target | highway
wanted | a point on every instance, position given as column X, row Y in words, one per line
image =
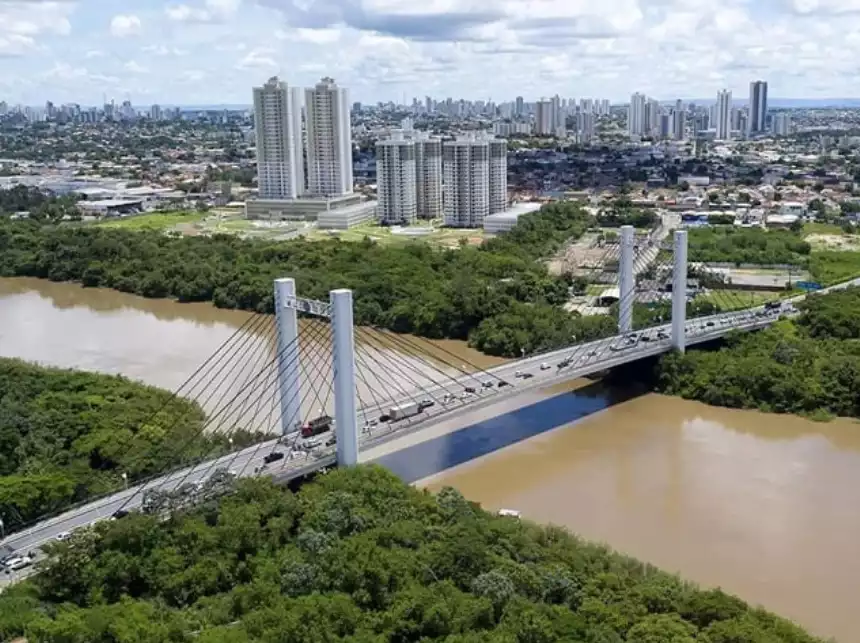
column 584, row 359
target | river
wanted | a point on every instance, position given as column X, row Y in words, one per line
column 761, row 505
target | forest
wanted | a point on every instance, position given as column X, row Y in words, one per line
column 66, row 436
column 808, row 366
column 358, row 556
column 41, row 206
column 413, row 289
column 747, row 245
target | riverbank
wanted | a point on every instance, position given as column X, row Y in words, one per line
column 465, row 294
column 66, row 436
column 358, row 556
column 807, row 366
column 760, row 505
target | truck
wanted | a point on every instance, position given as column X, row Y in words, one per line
column 316, row 426
column 403, row 411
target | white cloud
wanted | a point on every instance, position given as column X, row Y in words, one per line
column 259, row 59
column 94, row 53
column 124, row 25
column 163, row 50
column 135, row 68
column 211, row 11
column 13, row 45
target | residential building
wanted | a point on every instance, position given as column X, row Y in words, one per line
column 396, row 180
column 757, row 121
column 585, row 127
column 498, row 175
column 544, row 121
column 278, row 129
column 782, row 124
column 679, row 121
column 723, row 115
column 329, row 140
column 636, row 115
column 428, row 177
column 466, row 170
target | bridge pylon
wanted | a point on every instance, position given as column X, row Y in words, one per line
column 289, row 371
column 339, row 311
column 627, row 280
column 679, row 292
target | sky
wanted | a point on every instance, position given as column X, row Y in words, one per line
column 200, row 52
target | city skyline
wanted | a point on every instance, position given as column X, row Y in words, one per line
column 204, row 51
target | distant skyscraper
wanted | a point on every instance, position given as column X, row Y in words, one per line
column 585, row 127
column 329, row 140
column 723, row 114
column 782, row 124
column 758, row 107
column 395, row 180
column 636, row 115
column 544, row 122
column 679, row 121
column 278, row 129
column 519, row 106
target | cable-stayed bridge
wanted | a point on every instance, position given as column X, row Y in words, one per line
column 315, row 391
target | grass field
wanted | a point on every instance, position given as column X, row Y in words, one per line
column 153, row 221
column 822, row 228
column 446, row 237
column 739, row 299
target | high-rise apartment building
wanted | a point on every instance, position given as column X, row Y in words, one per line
column 585, row 127
column 329, row 140
column 636, row 115
column 466, row 171
column 782, row 124
column 723, row 116
column 498, row 175
column 428, row 177
column 757, row 120
column 679, row 121
column 278, row 129
column 396, row 180
column 544, row 121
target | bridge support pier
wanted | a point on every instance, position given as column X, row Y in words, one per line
column 679, row 292
column 343, row 353
column 289, row 371
column 627, row 285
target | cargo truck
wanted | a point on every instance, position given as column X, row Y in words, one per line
column 403, row 411
column 316, row 426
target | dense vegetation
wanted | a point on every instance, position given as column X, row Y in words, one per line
column 747, row 245
column 68, row 435
column 40, row 205
column 416, row 289
column 359, row 556
column 810, row 366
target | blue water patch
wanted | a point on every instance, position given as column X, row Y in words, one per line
column 427, row 458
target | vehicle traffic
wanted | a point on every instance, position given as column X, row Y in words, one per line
column 316, row 426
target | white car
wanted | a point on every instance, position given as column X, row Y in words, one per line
column 21, row 562
column 545, row 367
column 64, row 535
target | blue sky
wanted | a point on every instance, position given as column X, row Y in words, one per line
column 214, row 51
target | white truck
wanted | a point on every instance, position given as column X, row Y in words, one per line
column 403, row 411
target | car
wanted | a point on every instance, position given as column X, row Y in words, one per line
column 563, row 363
column 426, row 404
column 503, row 383
column 274, row 456
column 469, row 390
column 662, row 335
column 527, row 376
column 592, row 354
column 519, row 374
column 311, row 443
column 384, row 418
column 487, row 384
column 63, row 535
column 331, row 441
column 119, row 513
column 709, row 324
column 545, row 367
column 14, row 564
column 646, row 338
